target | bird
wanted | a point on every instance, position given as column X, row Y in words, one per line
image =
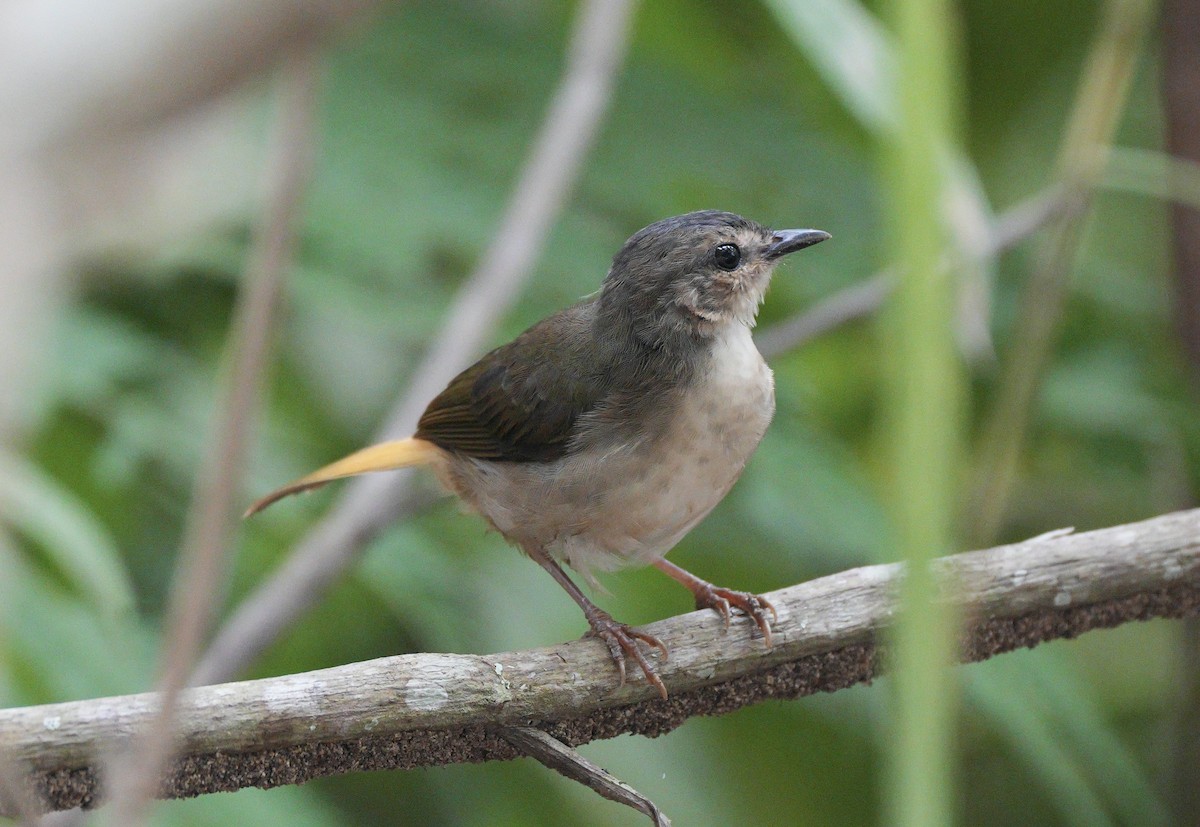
column 599, row 437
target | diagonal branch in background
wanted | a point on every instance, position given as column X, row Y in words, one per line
column 201, row 568
column 428, row 709
column 865, row 297
column 595, row 55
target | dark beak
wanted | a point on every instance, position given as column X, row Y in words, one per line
column 789, row 241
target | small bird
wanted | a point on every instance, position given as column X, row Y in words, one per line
column 603, row 434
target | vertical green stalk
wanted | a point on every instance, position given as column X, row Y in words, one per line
column 923, row 397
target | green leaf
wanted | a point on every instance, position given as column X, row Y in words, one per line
column 72, row 540
column 57, row 647
column 852, row 51
column 999, row 691
column 1153, row 173
column 1054, row 688
column 1049, row 717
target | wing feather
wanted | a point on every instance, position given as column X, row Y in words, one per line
column 522, row 401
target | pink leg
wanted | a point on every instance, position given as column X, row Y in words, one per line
column 620, row 639
column 709, row 596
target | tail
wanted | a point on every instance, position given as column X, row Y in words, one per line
column 386, row 456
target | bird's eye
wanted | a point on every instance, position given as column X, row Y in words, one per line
column 728, row 256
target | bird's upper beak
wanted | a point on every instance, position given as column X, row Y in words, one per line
column 789, row 241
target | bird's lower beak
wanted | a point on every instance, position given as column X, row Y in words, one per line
column 789, row 241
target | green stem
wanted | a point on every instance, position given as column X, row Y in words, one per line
column 924, row 399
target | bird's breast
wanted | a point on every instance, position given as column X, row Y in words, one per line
column 657, row 493
column 720, row 421
column 724, row 413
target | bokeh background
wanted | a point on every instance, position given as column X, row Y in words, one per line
column 426, row 112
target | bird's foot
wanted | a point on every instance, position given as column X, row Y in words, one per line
column 622, row 643
column 752, row 605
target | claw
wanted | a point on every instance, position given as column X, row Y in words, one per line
column 614, row 652
column 771, row 607
column 622, row 644
column 650, row 640
column 753, row 606
column 721, row 606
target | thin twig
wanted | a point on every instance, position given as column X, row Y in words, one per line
column 556, row 755
column 200, row 571
column 1099, row 103
column 595, row 56
column 865, row 297
column 857, row 301
column 428, row 709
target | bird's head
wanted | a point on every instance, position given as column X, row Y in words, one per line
column 697, row 273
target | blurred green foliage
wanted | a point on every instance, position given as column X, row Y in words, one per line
column 428, row 113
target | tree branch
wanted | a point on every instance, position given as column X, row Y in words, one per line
column 426, row 709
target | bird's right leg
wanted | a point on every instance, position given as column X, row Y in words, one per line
column 620, row 638
column 709, row 596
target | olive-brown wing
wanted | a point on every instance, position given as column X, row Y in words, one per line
column 521, row 402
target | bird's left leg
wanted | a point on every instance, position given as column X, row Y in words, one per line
column 621, row 639
column 709, row 596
